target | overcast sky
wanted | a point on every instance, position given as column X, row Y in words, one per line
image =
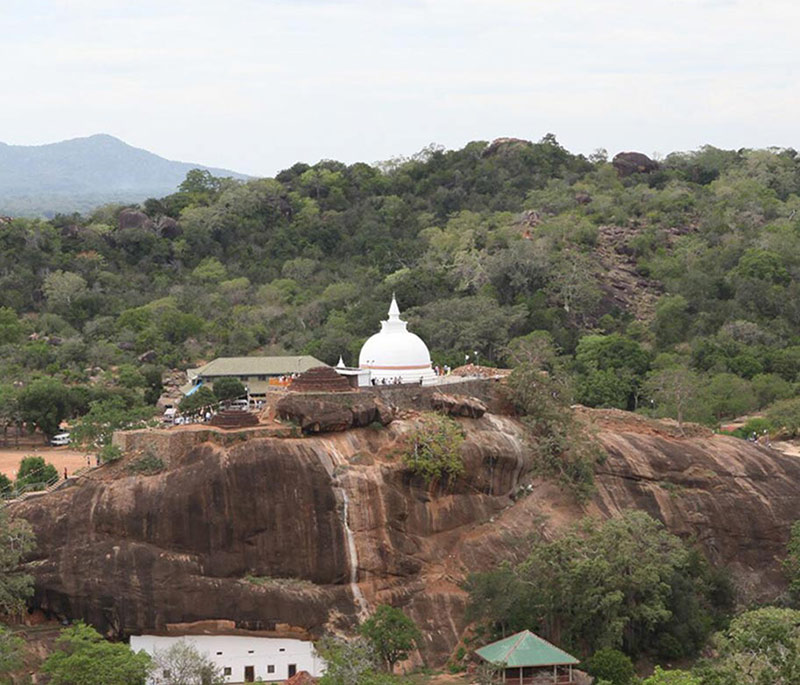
column 256, row 85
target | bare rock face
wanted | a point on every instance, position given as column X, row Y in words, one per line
column 133, row 218
column 628, row 163
column 323, row 414
column 504, row 146
column 254, row 531
column 168, row 227
column 458, row 405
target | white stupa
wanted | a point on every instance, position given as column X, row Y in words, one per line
column 396, row 353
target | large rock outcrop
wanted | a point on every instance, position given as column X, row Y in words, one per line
column 256, row 531
column 629, row 163
column 322, row 413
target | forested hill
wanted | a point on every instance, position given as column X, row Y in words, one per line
column 82, row 173
column 672, row 287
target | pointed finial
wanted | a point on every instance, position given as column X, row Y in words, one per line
column 340, row 365
column 394, row 310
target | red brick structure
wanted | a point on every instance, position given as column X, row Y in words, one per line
column 231, row 418
column 320, row 379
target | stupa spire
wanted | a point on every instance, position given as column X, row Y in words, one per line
column 394, row 310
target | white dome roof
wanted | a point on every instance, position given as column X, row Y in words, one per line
column 395, row 351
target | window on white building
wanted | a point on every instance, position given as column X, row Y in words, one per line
column 226, row 670
column 270, row 668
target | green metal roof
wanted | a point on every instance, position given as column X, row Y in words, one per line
column 257, row 366
column 525, row 649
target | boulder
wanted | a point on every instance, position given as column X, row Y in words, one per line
column 147, row 357
column 504, row 146
column 133, row 218
column 168, row 227
column 318, row 414
column 458, row 405
column 629, row 163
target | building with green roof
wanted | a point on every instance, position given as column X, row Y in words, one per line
column 257, row 373
column 528, row 659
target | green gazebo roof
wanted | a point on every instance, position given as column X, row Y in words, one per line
column 525, row 649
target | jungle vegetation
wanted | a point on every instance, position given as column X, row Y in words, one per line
column 484, row 247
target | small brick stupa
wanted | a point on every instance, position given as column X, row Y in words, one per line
column 234, row 418
column 320, row 379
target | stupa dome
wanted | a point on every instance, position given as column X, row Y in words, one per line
column 395, row 352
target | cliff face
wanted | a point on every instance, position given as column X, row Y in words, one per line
column 253, row 531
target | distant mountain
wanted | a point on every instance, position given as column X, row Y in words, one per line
column 82, row 173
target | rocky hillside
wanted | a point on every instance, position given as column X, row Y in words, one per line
column 253, row 530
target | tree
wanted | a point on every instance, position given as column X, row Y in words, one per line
column 611, row 665
column 9, row 408
column 83, row 657
column 182, row 664
column 5, row 485
column 673, row 677
column 347, row 662
column 45, row 403
column 562, row 446
column 16, row 540
column 673, row 390
column 202, row 397
column 11, row 329
column 11, row 651
column 97, row 426
column 229, row 388
column 392, row 635
column 791, row 564
column 760, row 647
column 34, row 471
column 62, row 288
column 622, row 583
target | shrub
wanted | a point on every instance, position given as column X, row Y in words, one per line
column 785, row 417
column 147, row 465
column 35, row 473
column 564, row 449
column 434, row 449
column 611, row 665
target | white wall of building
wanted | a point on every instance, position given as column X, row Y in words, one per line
column 235, row 652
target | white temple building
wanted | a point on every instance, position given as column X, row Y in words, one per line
column 393, row 355
column 241, row 659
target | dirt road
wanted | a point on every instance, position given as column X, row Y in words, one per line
column 60, row 457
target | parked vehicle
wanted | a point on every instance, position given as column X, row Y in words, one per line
column 60, row 440
column 240, row 405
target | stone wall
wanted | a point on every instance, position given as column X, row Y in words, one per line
column 419, row 397
column 172, row 443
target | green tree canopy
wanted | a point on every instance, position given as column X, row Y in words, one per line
column 392, row 635
column 12, row 649
column 622, row 583
column 45, row 403
column 182, row 664
column 83, row 657
column 16, row 540
column 611, row 665
column 229, row 388
column 202, row 397
column 34, row 471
